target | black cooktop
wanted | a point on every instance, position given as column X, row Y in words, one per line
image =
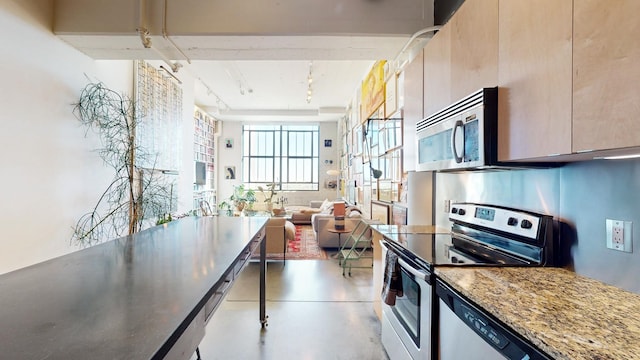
column 480, row 234
column 427, row 243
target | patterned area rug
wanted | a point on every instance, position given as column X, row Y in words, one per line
column 304, row 247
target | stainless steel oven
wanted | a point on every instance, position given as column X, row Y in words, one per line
column 406, row 326
column 485, row 235
column 480, row 235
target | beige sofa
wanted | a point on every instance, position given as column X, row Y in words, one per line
column 301, row 215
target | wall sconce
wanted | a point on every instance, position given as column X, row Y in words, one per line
column 376, row 173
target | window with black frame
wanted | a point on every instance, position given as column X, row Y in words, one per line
column 287, row 155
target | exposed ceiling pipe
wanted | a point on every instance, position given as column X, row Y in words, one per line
column 143, row 31
column 398, row 68
column 174, row 65
column 144, row 37
column 165, row 33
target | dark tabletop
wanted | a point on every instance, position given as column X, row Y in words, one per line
column 122, row 299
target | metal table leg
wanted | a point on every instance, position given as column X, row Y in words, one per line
column 263, row 282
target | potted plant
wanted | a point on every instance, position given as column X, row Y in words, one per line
column 239, row 199
column 271, row 188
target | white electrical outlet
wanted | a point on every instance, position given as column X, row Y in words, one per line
column 619, row 235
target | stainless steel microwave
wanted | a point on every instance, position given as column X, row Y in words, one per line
column 462, row 136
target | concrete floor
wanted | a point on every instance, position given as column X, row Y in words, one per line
column 314, row 313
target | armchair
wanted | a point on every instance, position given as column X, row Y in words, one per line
column 278, row 232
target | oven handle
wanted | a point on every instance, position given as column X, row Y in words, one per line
column 420, row 274
column 415, row 272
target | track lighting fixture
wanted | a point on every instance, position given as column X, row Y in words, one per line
column 309, row 82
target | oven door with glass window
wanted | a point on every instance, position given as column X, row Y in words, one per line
column 406, row 326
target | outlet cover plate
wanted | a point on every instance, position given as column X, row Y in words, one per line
column 612, row 227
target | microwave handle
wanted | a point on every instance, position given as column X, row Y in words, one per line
column 458, row 125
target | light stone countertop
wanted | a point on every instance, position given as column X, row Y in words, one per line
column 565, row 315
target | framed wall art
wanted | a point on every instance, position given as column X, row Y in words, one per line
column 230, row 172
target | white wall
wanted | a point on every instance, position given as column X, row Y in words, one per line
column 51, row 175
column 229, row 157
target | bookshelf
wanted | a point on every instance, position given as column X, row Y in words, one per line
column 205, row 133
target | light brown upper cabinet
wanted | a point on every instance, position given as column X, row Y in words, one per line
column 413, row 107
column 534, row 78
column 474, row 47
column 463, row 56
column 437, row 71
column 606, row 74
column 413, row 90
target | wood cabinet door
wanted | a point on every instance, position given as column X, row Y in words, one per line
column 534, row 78
column 413, row 90
column 437, row 71
column 413, row 106
column 606, row 74
column 474, row 47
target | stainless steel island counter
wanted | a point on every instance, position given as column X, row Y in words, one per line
column 138, row 297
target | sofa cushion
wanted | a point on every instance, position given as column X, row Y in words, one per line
column 310, row 211
column 302, row 214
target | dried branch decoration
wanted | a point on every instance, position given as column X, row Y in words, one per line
column 135, row 194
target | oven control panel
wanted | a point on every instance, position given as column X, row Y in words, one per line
column 499, row 218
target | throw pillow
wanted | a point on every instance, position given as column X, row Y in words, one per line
column 351, row 208
column 354, row 213
column 325, row 205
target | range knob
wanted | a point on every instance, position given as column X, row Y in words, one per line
column 512, row 221
column 454, row 210
column 526, row 224
column 462, row 212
